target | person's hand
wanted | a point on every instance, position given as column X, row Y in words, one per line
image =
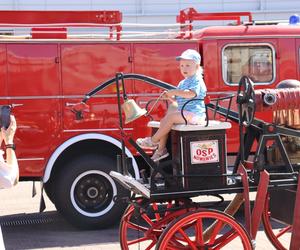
column 8, row 134
column 168, row 94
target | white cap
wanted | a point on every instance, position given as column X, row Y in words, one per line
column 190, row 54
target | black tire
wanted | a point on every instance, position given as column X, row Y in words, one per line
column 84, row 192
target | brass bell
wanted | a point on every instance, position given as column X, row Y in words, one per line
column 132, row 111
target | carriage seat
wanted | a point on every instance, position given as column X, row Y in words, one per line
column 212, row 125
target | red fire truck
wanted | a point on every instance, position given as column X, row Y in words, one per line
column 45, row 73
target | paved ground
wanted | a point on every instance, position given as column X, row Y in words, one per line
column 24, row 228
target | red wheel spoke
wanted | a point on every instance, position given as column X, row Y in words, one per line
column 226, row 240
column 155, row 208
column 216, row 230
column 187, row 238
column 224, row 237
column 139, row 240
column 137, row 227
column 284, row 230
column 168, row 207
column 147, row 219
column 152, row 244
column 150, row 225
column 199, row 232
column 175, row 243
column 172, row 248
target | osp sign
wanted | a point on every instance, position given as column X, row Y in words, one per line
column 204, row 151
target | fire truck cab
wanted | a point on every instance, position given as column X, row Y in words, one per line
column 43, row 74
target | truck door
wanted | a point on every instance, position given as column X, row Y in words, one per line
column 33, row 85
column 84, row 67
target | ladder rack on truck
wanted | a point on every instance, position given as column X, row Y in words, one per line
column 55, row 24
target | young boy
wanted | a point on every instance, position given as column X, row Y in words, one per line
column 191, row 86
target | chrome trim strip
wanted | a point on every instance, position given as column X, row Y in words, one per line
column 31, row 159
column 74, row 96
column 221, row 92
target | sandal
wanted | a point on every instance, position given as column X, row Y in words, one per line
column 160, row 154
column 146, row 143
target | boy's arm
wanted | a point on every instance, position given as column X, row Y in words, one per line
column 187, row 93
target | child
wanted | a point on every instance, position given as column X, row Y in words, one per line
column 191, row 86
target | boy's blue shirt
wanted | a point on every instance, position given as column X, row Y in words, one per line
column 196, row 84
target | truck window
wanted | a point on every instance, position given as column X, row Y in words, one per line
column 257, row 62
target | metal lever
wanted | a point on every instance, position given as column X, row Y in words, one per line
column 13, row 105
column 70, row 104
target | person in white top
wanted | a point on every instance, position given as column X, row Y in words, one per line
column 9, row 168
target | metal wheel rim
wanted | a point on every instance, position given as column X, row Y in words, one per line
column 105, row 207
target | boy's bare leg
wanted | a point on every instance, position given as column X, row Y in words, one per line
column 162, row 142
column 165, row 126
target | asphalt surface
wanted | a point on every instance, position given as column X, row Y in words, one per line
column 23, row 227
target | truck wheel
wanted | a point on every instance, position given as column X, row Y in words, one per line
column 84, row 192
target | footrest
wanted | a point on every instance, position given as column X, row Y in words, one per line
column 130, row 183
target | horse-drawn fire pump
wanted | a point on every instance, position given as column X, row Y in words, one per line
column 163, row 212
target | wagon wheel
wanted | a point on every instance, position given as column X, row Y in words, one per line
column 187, row 232
column 141, row 227
column 246, row 101
column 277, row 236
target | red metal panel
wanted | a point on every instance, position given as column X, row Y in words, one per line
column 286, row 59
column 49, row 32
column 33, row 80
column 190, row 14
column 3, row 73
column 61, row 16
column 158, row 61
column 85, row 66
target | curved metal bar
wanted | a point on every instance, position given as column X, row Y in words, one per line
column 194, row 99
column 144, row 78
column 218, row 99
column 228, row 96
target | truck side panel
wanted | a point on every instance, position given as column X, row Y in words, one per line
column 85, row 66
column 33, row 83
column 3, row 75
